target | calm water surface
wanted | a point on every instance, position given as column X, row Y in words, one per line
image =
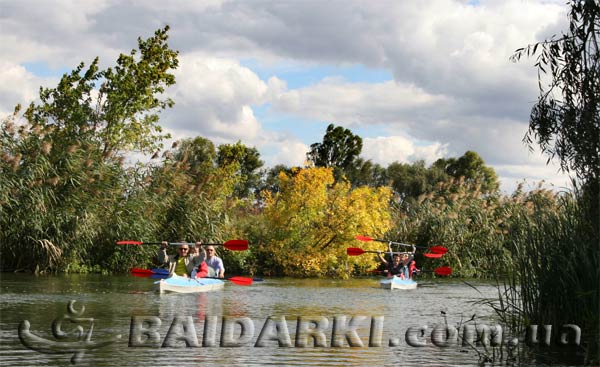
column 112, row 301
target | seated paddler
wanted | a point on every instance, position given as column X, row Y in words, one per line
column 183, row 263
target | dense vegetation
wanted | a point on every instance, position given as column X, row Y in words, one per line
column 555, row 277
column 67, row 193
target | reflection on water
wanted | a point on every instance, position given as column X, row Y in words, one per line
column 113, row 301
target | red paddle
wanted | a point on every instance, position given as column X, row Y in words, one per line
column 438, row 249
column 138, row 272
column 433, row 249
column 233, row 245
column 355, row 251
column 442, row 270
column 141, row 272
column 236, row 280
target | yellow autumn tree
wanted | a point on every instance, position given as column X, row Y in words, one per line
column 311, row 220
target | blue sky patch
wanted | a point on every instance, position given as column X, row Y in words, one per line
column 43, row 70
column 299, row 76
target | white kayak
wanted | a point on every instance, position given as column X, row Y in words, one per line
column 180, row 284
column 397, row 283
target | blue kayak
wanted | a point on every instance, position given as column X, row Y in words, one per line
column 180, row 284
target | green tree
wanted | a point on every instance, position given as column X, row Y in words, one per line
column 62, row 170
column 270, row 179
column 472, row 167
column 247, row 162
column 408, row 180
column 565, row 121
column 122, row 115
column 565, row 124
column 367, row 173
column 339, row 150
column 198, row 156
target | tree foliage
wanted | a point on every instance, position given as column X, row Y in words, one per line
column 411, row 180
column 122, row 114
column 61, row 172
column 191, row 192
column 339, row 150
column 565, row 124
column 472, row 167
column 565, row 121
column 366, row 173
column 248, row 163
column 311, row 220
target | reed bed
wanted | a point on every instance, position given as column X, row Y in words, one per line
column 540, row 246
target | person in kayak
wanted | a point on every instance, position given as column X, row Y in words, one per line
column 183, row 263
column 403, row 265
column 202, row 270
column 393, row 268
column 214, row 262
column 408, row 266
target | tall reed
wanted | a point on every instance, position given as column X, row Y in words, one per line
column 539, row 245
column 554, row 279
column 457, row 215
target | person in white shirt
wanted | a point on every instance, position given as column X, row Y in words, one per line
column 214, row 262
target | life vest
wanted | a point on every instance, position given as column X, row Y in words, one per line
column 202, row 271
column 412, row 268
column 406, row 271
column 180, row 267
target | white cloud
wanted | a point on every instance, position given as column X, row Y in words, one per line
column 50, row 31
column 454, row 87
column 388, row 149
column 334, row 99
column 17, row 85
column 214, row 97
column 289, row 152
column 531, row 176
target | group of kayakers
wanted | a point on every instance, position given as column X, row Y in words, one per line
column 193, row 262
column 200, row 262
column 402, row 265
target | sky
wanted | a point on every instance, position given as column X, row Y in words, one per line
column 416, row 80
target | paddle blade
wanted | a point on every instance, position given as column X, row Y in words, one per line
column 160, row 271
column 240, row 280
column 236, row 245
column 141, row 272
column 159, row 276
column 364, row 238
column 157, row 273
column 438, row 250
column 443, row 270
column 129, row 242
column 354, row 251
column 433, row 256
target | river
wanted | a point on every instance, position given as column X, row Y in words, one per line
column 396, row 327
